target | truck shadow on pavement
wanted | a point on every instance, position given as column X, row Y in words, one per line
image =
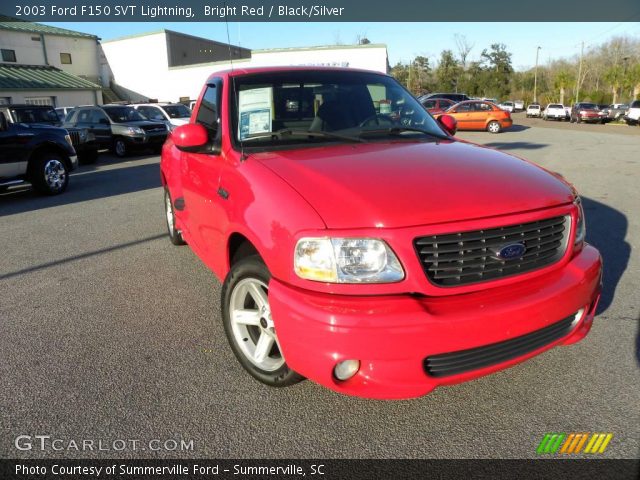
column 90, row 182
column 606, row 230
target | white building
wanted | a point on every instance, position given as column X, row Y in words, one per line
column 48, row 65
column 168, row 66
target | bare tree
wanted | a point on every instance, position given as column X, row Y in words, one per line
column 464, row 48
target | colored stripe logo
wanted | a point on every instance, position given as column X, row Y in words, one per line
column 571, row 443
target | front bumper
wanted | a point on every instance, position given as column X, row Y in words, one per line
column 392, row 335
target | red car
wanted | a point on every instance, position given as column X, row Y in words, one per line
column 437, row 105
column 361, row 245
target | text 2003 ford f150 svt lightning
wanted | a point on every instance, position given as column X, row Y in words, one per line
column 361, row 245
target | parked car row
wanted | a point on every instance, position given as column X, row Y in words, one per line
column 41, row 145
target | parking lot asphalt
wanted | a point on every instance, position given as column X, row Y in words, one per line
column 109, row 332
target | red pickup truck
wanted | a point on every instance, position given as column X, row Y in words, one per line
column 362, row 245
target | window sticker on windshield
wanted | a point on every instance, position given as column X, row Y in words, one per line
column 255, row 108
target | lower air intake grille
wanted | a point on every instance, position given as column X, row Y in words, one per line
column 462, row 361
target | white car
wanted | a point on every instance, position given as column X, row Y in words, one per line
column 507, row 106
column 518, row 105
column 534, row 110
column 555, row 111
column 632, row 117
column 172, row 114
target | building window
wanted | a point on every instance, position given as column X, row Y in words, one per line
column 65, row 58
column 8, row 55
column 39, row 101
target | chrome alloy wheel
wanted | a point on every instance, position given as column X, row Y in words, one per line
column 55, row 174
column 252, row 325
column 494, row 127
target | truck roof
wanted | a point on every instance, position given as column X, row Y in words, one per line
column 236, row 72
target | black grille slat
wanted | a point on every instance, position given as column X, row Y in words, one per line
column 75, row 138
column 490, row 233
column 513, row 267
column 469, row 257
column 486, row 259
column 472, row 359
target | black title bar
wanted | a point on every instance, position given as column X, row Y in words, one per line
column 128, row 469
column 323, row 11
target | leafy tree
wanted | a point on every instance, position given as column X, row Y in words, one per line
column 562, row 82
column 498, row 61
column 614, row 76
column 448, row 72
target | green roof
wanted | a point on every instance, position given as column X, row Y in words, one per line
column 8, row 23
column 40, row 77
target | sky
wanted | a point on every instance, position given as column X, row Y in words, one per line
column 404, row 40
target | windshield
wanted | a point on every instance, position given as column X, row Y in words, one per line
column 123, row 114
column 177, row 111
column 35, row 115
column 336, row 106
column 555, row 105
column 589, row 106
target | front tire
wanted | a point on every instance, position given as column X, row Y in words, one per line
column 174, row 235
column 248, row 324
column 49, row 174
column 494, row 127
column 120, row 147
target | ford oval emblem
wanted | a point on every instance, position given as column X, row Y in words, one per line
column 511, row 251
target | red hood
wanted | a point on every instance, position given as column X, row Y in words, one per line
column 404, row 184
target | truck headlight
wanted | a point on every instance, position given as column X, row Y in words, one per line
column 581, row 228
column 346, row 260
column 67, row 137
column 135, row 131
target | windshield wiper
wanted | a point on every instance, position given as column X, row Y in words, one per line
column 399, row 130
column 288, row 132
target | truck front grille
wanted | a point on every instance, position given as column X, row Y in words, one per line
column 463, row 258
column 75, row 137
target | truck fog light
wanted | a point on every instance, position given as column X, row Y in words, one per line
column 346, row 369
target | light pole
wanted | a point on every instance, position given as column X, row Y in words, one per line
column 535, row 78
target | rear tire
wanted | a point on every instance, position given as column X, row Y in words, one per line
column 49, row 174
column 494, row 127
column 248, row 325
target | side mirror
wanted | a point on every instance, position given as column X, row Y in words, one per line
column 449, row 124
column 193, row 138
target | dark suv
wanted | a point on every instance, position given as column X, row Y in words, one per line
column 36, row 153
column 119, row 127
column 454, row 97
column 83, row 141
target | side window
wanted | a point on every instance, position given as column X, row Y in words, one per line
column 483, row 107
column 429, row 103
column 84, row 116
column 209, row 111
column 465, row 107
column 97, row 115
column 152, row 113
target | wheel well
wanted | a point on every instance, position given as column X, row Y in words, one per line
column 48, row 147
column 240, row 247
